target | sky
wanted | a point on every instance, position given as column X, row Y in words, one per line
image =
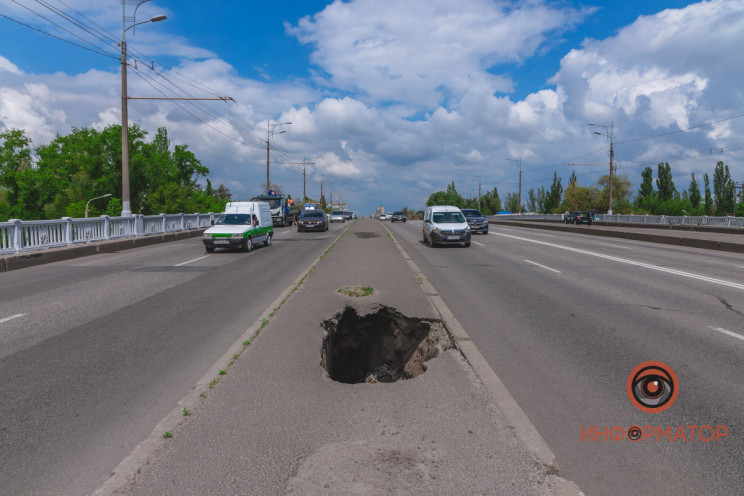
column 391, row 100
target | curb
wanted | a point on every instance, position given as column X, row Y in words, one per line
column 523, row 427
column 140, row 454
column 667, row 239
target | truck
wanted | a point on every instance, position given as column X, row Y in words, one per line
column 379, row 211
column 241, row 226
column 281, row 212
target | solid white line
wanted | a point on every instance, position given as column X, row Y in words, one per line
column 690, row 275
column 617, row 246
column 6, row 319
column 479, row 244
column 543, row 266
column 733, row 334
column 194, row 260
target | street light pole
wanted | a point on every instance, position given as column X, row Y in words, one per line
column 519, row 160
column 608, row 134
column 126, row 206
column 269, row 133
column 96, row 198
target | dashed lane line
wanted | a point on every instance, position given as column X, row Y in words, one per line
column 12, row 317
column 724, row 331
column 689, row 275
column 479, row 244
column 194, row 260
column 542, row 266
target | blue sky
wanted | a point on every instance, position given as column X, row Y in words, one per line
column 398, row 98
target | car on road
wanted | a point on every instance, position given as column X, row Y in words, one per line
column 477, row 222
column 242, row 226
column 578, row 218
column 398, row 217
column 312, row 220
column 383, row 217
column 349, row 215
column 337, row 216
column 445, row 224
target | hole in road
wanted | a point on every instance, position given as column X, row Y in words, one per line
column 366, row 235
column 384, row 346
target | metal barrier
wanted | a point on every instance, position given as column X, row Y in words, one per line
column 643, row 219
column 19, row 236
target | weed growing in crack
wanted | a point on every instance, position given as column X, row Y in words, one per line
column 246, row 343
column 230, row 363
column 187, row 412
column 167, row 435
column 223, row 372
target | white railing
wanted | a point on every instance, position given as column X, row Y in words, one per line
column 641, row 219
column 19, row 236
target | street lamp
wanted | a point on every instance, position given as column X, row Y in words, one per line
column 96, row 198
column 126, row 208
column 269, row 133
column 519, row 163
column 608, row 134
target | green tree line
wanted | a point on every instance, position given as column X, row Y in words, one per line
column 655, row 196
column 57, row 179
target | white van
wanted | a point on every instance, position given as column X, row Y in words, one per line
column 242, row 225
column 445, row 224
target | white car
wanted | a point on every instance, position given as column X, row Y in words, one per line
column 445, row 224
column 337, row 216
column 241, row 226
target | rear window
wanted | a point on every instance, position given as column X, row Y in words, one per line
column 471, row 213
column 337, row 212
column 448, row 218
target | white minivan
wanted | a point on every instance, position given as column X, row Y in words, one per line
column 242, row 225
column 445, row 224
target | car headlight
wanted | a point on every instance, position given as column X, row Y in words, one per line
column 467, row 229
column 436, row 230
column 237, row 235
column 208, row 235
column 485, row 222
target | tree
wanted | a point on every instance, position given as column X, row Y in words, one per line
column 553, row 199
column 664, row 182
column 532, row 201
column 15, row 158
column 511, row 202
column 694, row 192
column 646, row 190
column 621, row 193
column 448, row 197
column 579, row 198
column 724, row 189
column 709, row 207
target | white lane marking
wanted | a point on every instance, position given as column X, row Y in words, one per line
column 543, row 266
column 479, row 244
column 7, row 319
column 733, row 334
column 194, row 260
column 616, row 246
column 690, row 275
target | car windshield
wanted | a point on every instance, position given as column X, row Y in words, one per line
column 234, row 219
column 397, row 213
column 471, row 213
column 311, row 213
column 448, row 218
column 337, row 212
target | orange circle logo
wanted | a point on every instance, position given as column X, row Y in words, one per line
column 652, row 387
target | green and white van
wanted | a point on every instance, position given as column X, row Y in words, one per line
column 241, row 226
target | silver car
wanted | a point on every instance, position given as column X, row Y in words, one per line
column 337, row 216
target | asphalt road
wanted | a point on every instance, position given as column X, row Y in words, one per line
column 95, row 351
column 564, row 318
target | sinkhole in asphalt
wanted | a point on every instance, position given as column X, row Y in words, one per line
column 383, row 346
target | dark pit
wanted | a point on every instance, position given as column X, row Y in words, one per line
column 366, row 235
column 384, row 346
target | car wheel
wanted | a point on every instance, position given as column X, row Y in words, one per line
column 248, row 245
column 424, row 235
column 210, row 249
column 268, row 240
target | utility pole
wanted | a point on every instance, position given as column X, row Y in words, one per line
column 608, row 133
column 519, row 162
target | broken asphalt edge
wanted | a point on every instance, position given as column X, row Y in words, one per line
column 141, row 454
column 513, row 413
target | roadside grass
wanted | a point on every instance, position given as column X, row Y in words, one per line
column 357, row 291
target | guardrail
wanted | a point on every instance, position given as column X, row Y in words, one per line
column 641, row 219
column 19, row 236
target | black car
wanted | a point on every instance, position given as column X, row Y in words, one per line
column 578, row 218
column 398, row 217
column 475, row 219
column 312, row 220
